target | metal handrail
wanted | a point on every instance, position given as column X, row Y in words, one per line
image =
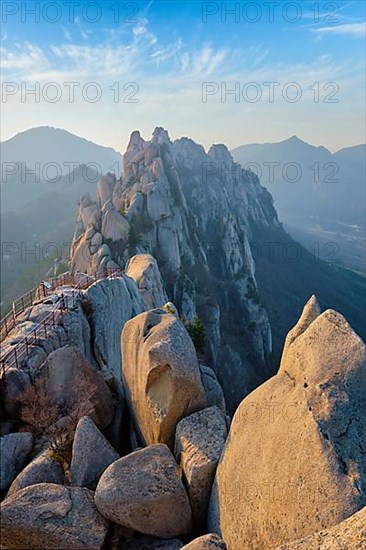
column 21, row 348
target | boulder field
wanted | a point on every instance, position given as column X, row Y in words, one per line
column 289, row 472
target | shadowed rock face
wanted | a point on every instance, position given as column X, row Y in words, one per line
column 91, row 454
column 65, row 369
column 300, row 441
column 113, row 302
column 206, row 542
column 161, row 375
column 43, row 469
column 45, row 516
column 14, row 450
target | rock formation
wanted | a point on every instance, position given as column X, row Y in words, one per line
column 161, row 375
column 213, row 390
column 46, row 515
column 300, row 440
column 199, row 440
column 143, row 491
column 292, row 465
column 65, row 369
column 192, row 211
column 15, row 449
column 143, row 269
column 350, row 533
column 91, row 454
column 159, row 332
column 112, row 302
column 45, row 468
column 207, row 542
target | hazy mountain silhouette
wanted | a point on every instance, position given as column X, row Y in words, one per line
column 319, row 193
column 43, row 226
column 48, row 151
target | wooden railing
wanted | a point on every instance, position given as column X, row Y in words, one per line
column 43, row 330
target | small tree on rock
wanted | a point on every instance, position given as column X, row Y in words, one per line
column 197, row 333
column 43, row 415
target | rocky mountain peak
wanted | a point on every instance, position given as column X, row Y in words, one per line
column 221, row 153
column 192, row 211
column 160, row 136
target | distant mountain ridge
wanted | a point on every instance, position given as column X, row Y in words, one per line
column 36, row 162
column 309, row 180
column 46, row 145
column 315, row 191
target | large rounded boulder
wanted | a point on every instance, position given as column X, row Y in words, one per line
column 143, row 492
column 295, row 458
column 161, row 375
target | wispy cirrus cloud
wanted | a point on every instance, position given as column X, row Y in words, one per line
column 357, row 30
column 170, row 71
column 23, row 57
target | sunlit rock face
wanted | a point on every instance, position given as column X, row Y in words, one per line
column 350, row 533
column 161, row 375
column 300, row 441
column 193, row 212
column 143, row 269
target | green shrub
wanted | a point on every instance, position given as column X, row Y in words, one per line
column 142, row 223
column 108, row 242
column 197, row 334
column 134, row 239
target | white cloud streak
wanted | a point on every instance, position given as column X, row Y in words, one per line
column 357, row 30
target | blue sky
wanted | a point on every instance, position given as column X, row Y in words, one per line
column 161, row 55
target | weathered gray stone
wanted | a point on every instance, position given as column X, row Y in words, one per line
column 135, row 207
column 14, row 451
column 45, row 468
column 143, row 269
column 14, row 383
column 161, row 375
column 157, row 202
column 105, row 188
column 67, row 368
column 49, row 516
column 81, row 259
column 199, row 440
column 142, row 491
column 152, row 543
column 213, row 390
column 96, row 242
column 87, row 213
column 113, row 302
column 115, row 226
column 206, row 542
column 91, row 454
